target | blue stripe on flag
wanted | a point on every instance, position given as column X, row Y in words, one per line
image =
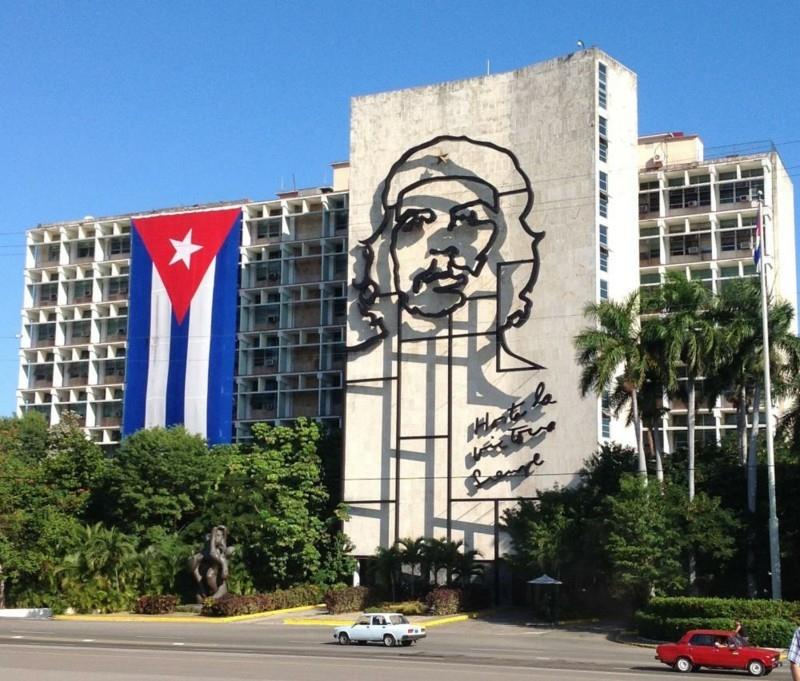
column 138, row 351
column 223, row 340
column 176, row 377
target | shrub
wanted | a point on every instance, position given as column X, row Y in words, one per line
column 230, row 605
column 736, row 608
column 405, row 608
column 346, row 599
column 444, row 601
column 768, row 623
column 155, row 605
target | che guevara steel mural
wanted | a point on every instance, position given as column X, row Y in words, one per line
column 443, row 289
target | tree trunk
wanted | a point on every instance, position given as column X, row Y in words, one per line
column 637, row 424
column 752, row 453
column 741, row 425
column 690, row 436
column 658, row 450
column 690, row 471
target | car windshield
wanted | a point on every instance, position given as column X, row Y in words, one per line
column 398, row 619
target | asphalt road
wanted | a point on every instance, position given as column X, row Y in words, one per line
column 268, row 650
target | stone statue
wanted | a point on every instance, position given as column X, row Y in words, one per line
column 209, row 566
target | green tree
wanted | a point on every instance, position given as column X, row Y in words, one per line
column 388, row 566
column 159, row 478
column 689, row 343
column 413, row 556
column 644, row 547
column 274, row 502
column 611, row 348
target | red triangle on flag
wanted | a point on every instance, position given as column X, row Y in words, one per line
column 182, row 246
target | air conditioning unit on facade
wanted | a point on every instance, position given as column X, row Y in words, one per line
column 691, row 204
column 269, row 363
column 743, row 197
column 693, row 250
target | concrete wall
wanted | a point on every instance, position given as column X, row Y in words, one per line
column 423, row 395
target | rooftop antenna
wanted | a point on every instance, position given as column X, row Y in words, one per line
column 581, row 46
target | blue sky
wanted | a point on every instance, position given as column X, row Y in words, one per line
column 117, row 107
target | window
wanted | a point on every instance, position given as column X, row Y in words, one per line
column 603, row 150
column 603, row 184
column 48, row 294
column 741, row 191
column 602, row 85
column 605, row 415
column 270, row 228
column 603, row 209
column 119, row 245
column 691, row 196
column 649, row 251
column 603, row 248
column 603, row 289
column 117, row 287
column 603, row 235
column 602, row 126
column 85, row 249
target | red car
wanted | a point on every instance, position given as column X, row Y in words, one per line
column 718, row 650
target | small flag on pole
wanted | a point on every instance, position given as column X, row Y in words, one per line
column 758, row 241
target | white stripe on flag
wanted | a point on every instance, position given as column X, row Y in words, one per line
column 197, row 355
column 158, row 360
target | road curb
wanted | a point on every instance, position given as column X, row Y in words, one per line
column 171, row 619
column 319, row 622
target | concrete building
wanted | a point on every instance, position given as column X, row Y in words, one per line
column 291, row 313
column 697, row 215
column 485, row 214
column 453, row 262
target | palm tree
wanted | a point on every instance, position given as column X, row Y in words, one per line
column 613, row 347
column 388, row 565
column 434, row 557
column 688, row 339
column 413, row 555
column 466, row 567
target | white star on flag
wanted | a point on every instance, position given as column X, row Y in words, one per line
column 184, row 250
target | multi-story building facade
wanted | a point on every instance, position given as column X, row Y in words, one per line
column 292, row 300
column 697, row 215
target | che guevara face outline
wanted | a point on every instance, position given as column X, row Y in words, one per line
column 442, row 234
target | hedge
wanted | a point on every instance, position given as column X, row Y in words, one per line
column 230, row 605
column 445, row 601
column 342, row 598
column 768, row 623
column 735, row 608
column 161, row 604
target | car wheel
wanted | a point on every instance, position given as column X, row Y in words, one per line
column 344, row 639
column 407, row 643
column 683, row 664
column 388, row 640
column 756, row 668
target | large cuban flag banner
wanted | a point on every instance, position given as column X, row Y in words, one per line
column 182, row 322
